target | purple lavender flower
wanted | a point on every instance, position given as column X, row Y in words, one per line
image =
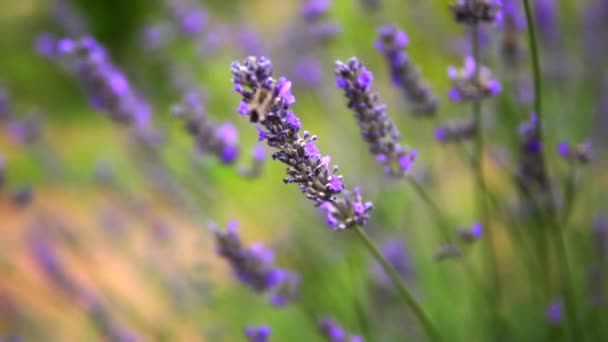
column 25, row 131
column 189, row 17
column 333, row 332
column 476, row 11
column 545, row 17
column 471, row 234
column 219, row 140
column 394, row 252
column 280, row 129
column 259, row 334
column 45, row 44
column 404, row 74
column 531, row 173
column 555, row 311
column 106, row 86
column 455, row 132
column 380, row 133
column 254, row 266
column 466, row 88
column 513, row 24
column 581, row 153
column 154, row 37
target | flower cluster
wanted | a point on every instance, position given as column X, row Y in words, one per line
column 254, row 266
column 220, row 140
column 106, row 86
column 404, row 74
column 334, row 332
column 280, row 128
column 259, row 334
column 467, row 87
column 471, row 234
column 476, row 11
column 456, row 132
column 581, row 153
column 531, row 167
column 380, row 133
column 554, row 311
column 513, row 24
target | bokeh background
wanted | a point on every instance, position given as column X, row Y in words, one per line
column 87, row 204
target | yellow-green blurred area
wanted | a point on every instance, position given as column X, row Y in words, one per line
column 128, row 225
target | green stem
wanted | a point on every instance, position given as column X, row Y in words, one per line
column 559, row 238
column 492, row 260
column 399, row 284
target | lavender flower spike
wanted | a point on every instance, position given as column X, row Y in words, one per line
column 377, row 129
column 267, row 101
column 581, row 153
column 456, row 132
column 466, row 88
column 404, row 74
column 107, row 87
column 254, row 266
column 220, row 140
column 476, row 11
column 332, row 331
column 259, row 334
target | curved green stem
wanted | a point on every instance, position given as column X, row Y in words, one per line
column 399, row 284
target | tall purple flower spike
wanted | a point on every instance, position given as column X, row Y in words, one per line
column 404, row 74
column 106, row 86
column 220, row 140
column 377, row 129
column 280, row 128
column 254, row 266
column 464, row 85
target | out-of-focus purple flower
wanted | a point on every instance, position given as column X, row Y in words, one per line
column 545, row 15
column 394, row 252
column 2, row 171
column 22, row 196
column 259, row 334
column 157, row 36
column 513, row 24
column 106, row 86
column 447, row 252
column 308, row 71
column 377, row 129
column 531, row 173
column 306, row 165
column 259, row 153
column 333, row 332
column 464, row 85
column 26, row 130
column 555, row 311
column 595, row 28
column 581, row 153
column 191, row 18
column 249, row 40
column 45, row 44
column 476, row 11
column 254, row 266
column 404, row 74
column 456, row 132
column 471, row 234
column 219, row 140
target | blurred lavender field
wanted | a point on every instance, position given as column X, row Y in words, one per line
column 169, row 170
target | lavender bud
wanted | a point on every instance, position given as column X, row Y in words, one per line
column 404, row 74
column 466, row 88
column 545, row 17
column 380, row 133
column 531, row 171
column 456, row 132
column 267, row 102
column 333, row 332
column 447, row 252
column 472, row 234
column 476, row 11
column 581, row 153
column 259, row 334
column 554, row 312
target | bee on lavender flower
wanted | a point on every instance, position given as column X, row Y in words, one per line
column 260, row 104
